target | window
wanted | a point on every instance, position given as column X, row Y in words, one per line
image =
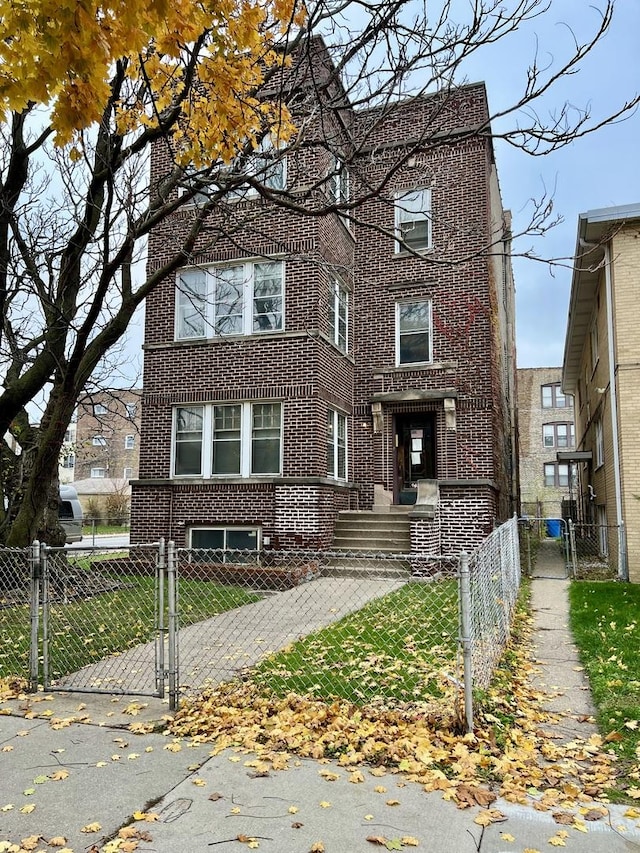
column 131, row 410
column 599, row 455
column 127, row 474
column 413, row 220
column 553, row 398
column 99, row 409
column 338, row 181
column 558, row 435
column 224, row 539
column 556, row 474
column 593, row 344
column 98, row 473
column 236, row 439
column 69, row 460
column 267, row 164
column 129, row 442
column 413, row 332
column 339, row 315
column 243, row 299
column 99, row 441
column 336, row 445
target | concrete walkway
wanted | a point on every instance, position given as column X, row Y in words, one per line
column 216, row 649
column 205, row 803
column 560, row 673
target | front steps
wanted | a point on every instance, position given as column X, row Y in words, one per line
column 369, row 542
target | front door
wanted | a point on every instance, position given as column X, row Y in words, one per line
column 415, row 454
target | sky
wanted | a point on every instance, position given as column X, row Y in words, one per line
column 601, row 170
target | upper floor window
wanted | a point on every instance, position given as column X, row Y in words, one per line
column 556, row 474
column 413, row 220
column 242, row 299
column 99, row 441
column 336, row 445
column 599, row 454
column 241, row 439
column 69, row 460
column 339, row 314
column 338, row 181
column 131, row 410
column 413, row 332
column 99, row 409
column 129, row 442
column 127, row 473
column 553, row 398
column 593, row 344
column 98, row 473
column 558, row 435
column 266, row 163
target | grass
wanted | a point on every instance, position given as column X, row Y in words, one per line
column 605, row 620
column 395, row 647
column 88, row 629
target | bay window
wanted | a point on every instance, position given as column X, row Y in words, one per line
column 230, row 439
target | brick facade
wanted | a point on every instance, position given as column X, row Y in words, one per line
column 461, row 398
column 107, row 435
column 538, row 498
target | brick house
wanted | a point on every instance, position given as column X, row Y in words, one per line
column 601, row 369
column 314, row 365
column 107, row 435
column 546, row 428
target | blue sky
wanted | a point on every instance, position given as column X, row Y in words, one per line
column 601, row 170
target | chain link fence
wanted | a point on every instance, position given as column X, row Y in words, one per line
column 18, row 604
column 372, row 628
column 364, row 627
column 596, row 550
column 494, row 582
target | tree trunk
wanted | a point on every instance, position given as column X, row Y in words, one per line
column 37, row 517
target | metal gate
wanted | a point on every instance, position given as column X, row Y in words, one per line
column 544, row 546
column 100, row 620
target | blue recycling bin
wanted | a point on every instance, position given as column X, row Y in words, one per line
column 554, row 528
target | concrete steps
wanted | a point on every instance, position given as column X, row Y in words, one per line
column 365, row 543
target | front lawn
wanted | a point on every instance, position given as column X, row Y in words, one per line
column 605, row 620
column 85, row 629
column 394, row 648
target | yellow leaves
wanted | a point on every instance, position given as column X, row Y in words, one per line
column 149, row 817
column 62, row 55
column 488, row 816
column 356, row 777
column 28, row 809
column 506, row 836
column 199, row 783
column 57, row 841
column 633, row 792
column 293, row 809
column 324, row 804
column 92, row 827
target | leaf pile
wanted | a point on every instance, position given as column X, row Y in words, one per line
column 511, row 751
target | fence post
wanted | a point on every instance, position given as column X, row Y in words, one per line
column 173, row 625
column 161, row 568
column 572, row 548
column 34, row 612
column 465, row 638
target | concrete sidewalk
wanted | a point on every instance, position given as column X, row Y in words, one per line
column 94, row 774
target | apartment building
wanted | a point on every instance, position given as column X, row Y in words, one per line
column 307, row 366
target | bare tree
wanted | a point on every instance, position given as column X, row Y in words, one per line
column 74, row 219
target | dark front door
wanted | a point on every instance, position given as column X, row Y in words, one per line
column 415, row 454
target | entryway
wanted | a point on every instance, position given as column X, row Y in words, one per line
column 415, row 454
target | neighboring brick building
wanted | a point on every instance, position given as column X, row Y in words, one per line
column 312, row 365
column 546, row 426
column 107, row 435
column 602, row 370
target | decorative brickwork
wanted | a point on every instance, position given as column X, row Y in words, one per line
column 458, row 405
